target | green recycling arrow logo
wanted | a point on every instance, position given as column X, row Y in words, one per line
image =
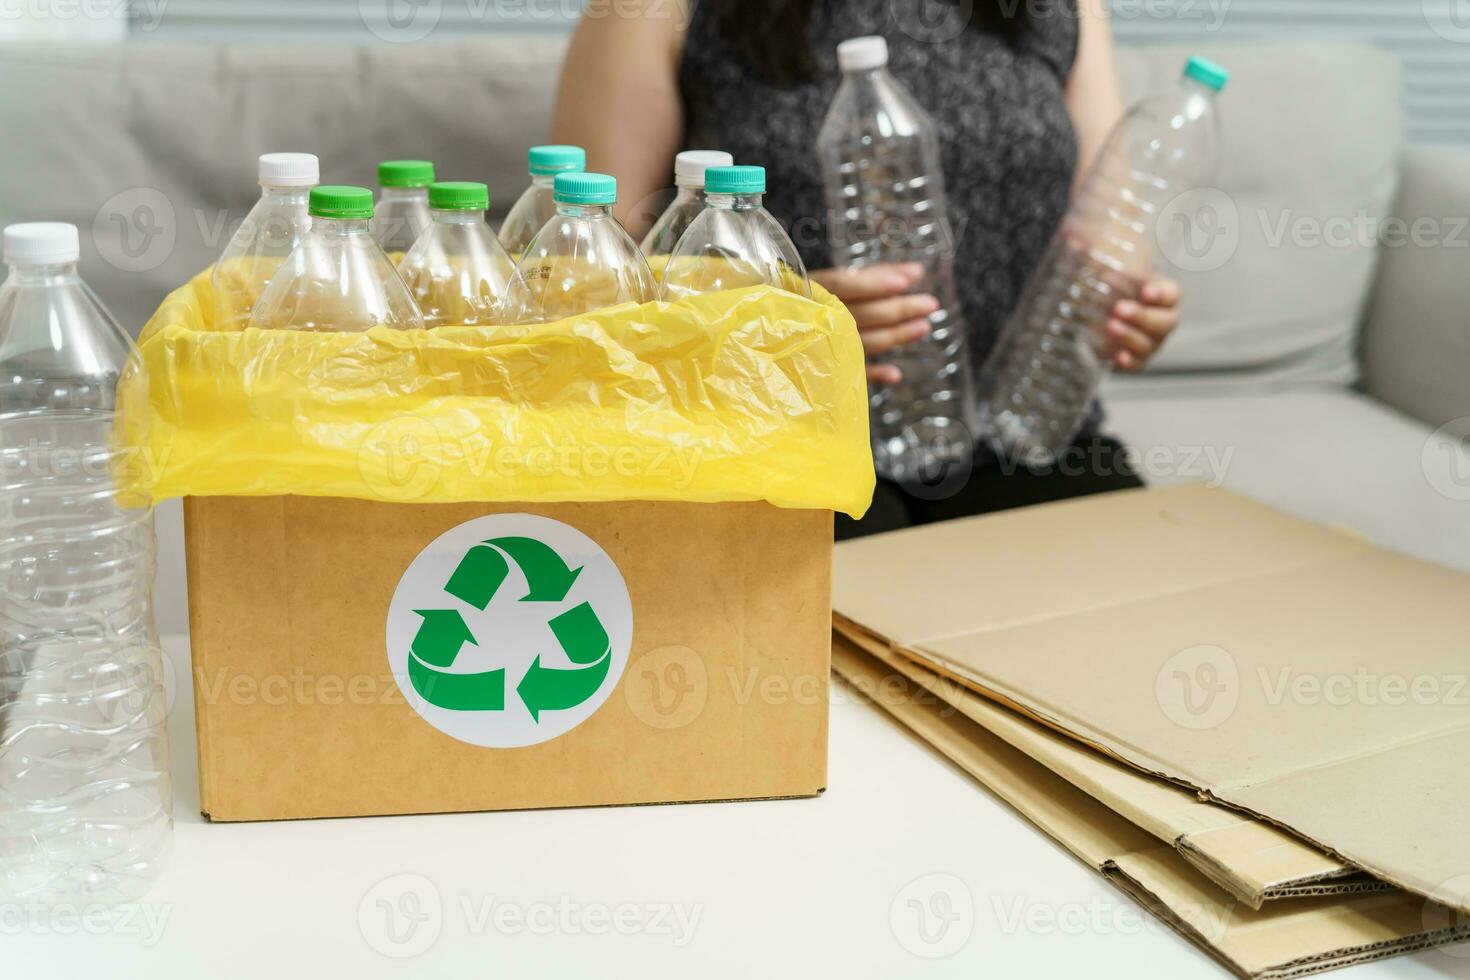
column 511, row 614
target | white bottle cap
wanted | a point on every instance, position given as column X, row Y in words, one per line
column 42, row 243
column 862, row 53
column 689, row 166
column 289, row 170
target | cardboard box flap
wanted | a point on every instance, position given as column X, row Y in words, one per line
column 1255, row 862
column 1289, row 938
column 1289, row 669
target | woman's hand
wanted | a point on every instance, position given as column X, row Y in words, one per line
column 1139, row 328
column 886, row 316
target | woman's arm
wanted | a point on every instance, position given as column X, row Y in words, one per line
column 1137, row 328
column 619, row 96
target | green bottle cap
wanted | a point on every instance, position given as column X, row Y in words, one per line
column 405, row 173
column 459, row 195
column 585, row 189
column 735, row 180
column 342, row 202
column 547, row 160
column 1206, row 72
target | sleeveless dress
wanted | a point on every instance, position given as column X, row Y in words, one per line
column 1007, row 143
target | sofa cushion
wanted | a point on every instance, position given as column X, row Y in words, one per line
column 1328, row 455
column 1311, row 136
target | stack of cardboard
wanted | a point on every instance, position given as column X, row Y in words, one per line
column 1249, row 723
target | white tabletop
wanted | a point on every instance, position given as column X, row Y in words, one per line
column 786, row 888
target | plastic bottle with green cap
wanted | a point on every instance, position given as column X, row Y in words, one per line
column 536, row 205
column 457, row 271
column 583, row 259
column 1039, row 385
column 269, row 233
column 734, row 242
column 689, row 200
column 339, row 279
column 402, row 212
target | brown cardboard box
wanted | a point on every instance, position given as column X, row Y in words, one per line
column 301, row 713
column 1287, row 938
column 1290, row 670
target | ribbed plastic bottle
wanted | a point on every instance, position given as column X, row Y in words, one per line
column 1038, row 385
column 270, row 232
column 734, row 242
column 879, row 152
column 402, row 211
column 339, row 279
column 537, row 205
column 583, row 260
column 85, row 799
column 689, row 200
column 457, row 271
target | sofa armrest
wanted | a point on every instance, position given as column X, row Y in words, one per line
column 1416, row 341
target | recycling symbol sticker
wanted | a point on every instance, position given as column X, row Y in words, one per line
column 509, row 630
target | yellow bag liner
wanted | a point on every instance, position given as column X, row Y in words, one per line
column 751, row 394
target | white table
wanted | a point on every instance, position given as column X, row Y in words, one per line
column 781, row 888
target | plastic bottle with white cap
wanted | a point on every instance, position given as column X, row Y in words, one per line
column 85, row 801
column 881, row 168
column 270, row 232
column 689, row 201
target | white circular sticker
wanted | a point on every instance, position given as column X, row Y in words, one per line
column 509, row 630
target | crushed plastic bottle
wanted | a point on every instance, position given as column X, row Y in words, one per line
column 402, row 211
column 885, row 203
column 457, row 271
column 689, row 200
column 270, row 232
column 85, row 798
column 537, row 205
column 583, row 260
column 338, row 279
column 1038, row 385
column 734, row 242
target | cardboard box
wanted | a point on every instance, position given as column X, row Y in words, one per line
column 1290, row 670
column 1287, row 938
column 1253, row 861
column 305, row 612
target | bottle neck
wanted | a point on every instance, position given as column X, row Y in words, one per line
column 286, row 196
column 735, row 202
column 48, row 274
column 339, row 227
column 584, row 210
column 405, row 194
column 446, row 216
column 543, row 180
column 689, row 187
column 1195, row 87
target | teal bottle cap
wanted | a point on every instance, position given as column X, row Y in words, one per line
column 1206, row 72
column 735, row 180
column 547, row 160
column 405, row 173
column 341, row 202
column 585, row 189
column 459, row 195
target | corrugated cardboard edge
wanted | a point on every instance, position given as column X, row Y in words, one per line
column 1142, row 873
column 192, row 531
column 1209, row 849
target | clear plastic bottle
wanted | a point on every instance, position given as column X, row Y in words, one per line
column 402, row 212
column 536, row 205
column 583, row 259
column 734, row 242
column 270, row 232
column 885, row 203
column 457, row 271
column 85, row 799
column 689, row 170
column 338, row 279
column 1038, row 385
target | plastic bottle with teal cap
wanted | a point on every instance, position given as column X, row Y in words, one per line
column 535, row 206
column 338, row 279
column 734, row 243
column 582, row 259
column 457, row 271
column 403, row 203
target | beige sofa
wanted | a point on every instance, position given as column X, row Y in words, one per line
column 1311, row 372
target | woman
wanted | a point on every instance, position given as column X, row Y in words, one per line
column 1024, row 94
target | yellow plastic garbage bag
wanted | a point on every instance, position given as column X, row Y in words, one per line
column 751, row 394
